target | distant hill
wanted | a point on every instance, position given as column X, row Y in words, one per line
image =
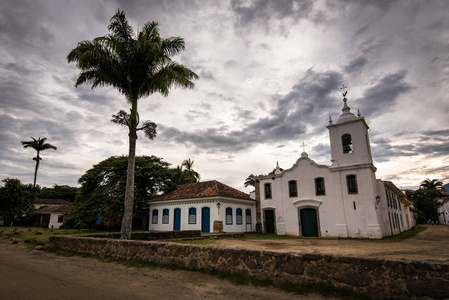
column 446, row 187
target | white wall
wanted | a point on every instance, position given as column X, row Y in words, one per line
column 215, row 214
column 54, row 220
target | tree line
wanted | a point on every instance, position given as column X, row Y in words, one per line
column 101, row 192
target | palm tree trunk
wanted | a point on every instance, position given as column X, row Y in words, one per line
column 36, row 168
column 127, row 221
column 125, row 233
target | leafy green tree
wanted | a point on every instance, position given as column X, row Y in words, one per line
column 424, row 199
column 64, row 192
column 16, row 200
column 137, row 66
column 38, row 145
column 103, row 187
column 189, row 173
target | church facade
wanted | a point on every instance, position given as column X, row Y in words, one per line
column 344, row 199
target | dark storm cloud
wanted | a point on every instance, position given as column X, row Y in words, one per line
column 384, row 94
column 303, row 109
column 432, row 143
column 356, row 65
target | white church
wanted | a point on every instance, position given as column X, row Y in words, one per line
column 344, row 199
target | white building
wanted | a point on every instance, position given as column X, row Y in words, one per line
column 54, row 214
column 344, row 199
column 443, row 212
column 207, row 206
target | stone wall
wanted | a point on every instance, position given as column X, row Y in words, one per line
column 375, row 277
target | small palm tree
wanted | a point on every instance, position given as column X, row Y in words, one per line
column 191, row 175
column 250, row 181
column 38, row 145
column 137, row 65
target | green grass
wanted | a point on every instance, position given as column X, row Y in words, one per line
column 39, row 234
column 257, row 236
column 406, row 234
column 195, row 242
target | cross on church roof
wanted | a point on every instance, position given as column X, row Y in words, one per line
column 303, row 147
column 343, row 87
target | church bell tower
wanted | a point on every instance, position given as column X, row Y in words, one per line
column 350, row 146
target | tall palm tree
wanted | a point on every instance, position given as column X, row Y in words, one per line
column 191, row 175
column 137, row 65
column 433, row 184
column 38, row 145
column 433, row 189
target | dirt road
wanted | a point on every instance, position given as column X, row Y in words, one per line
column 40, row 275
column 431, row 244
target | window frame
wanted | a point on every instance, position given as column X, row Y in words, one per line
column 248, row 216
column 239, row 213
column 60, row 219
column 192, row 209
column 228, row 212
column 316, row 186
column 352, row 192
column 155, row 216
column 268, row 191
column 295, row 184
column 165, row 216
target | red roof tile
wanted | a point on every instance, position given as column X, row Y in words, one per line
column 50, row 201
column 58, row 208
column 203, row 189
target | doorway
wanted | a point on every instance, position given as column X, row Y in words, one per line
column 309, row 222
column 177, row 219
column 205, row 219
column 269, row 221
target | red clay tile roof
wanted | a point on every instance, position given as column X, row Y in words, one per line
column 50, row 201
column 54, row 209
column 203, row 189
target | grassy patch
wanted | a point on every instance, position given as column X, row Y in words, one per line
column 257, row 236
column 406, row 234
column 195, row 242
column 39, row 235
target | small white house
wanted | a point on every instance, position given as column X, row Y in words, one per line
column 43, row 202
column 341, row 200
column 55, row 214
column 209, row 206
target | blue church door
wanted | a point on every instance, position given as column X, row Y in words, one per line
column 205, row 219
column 177, row 219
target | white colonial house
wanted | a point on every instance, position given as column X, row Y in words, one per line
column 209, row 206
column 344, row 199
column 54, row 214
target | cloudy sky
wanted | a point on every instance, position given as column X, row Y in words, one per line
column 270, row 77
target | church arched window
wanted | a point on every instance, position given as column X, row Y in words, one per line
column 346, row 141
